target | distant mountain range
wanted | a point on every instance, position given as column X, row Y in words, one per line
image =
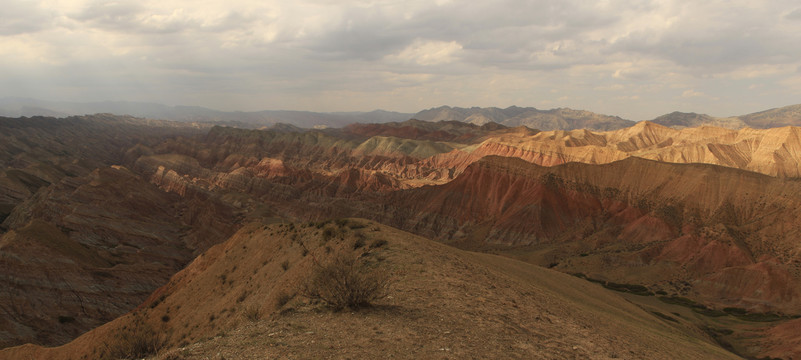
column 569, row 119
column 545, row 120
column 13, row 107
column 778, row 117
column 554, row 119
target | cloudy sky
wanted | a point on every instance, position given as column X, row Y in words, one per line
column 636, row 59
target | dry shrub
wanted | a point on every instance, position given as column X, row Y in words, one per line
column 253, row 313
column 136, row 341
column 345, row 282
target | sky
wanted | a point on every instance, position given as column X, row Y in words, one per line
column 635, row 59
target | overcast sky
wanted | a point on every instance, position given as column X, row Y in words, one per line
column 635, row 59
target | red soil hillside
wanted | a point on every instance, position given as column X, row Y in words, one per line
column 243, row 299
column 720, row 235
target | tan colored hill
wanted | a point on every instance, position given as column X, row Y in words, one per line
column 242, row 299
column 775, row 152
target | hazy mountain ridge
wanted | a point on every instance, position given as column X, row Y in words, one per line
column 546, row 120
column 569, row 119
column 772, row 118
column 554, row 119
column 252, row 119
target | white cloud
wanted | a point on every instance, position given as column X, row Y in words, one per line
column 690, row 93
column 428, row 52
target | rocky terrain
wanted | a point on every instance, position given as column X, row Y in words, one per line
column 697, row 224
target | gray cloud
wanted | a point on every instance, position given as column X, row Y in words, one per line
column 21, row 17
column 347, row 55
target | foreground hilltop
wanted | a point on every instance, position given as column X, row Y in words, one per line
column 245, row 299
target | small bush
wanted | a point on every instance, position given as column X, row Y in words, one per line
column 137, row 341
column 253, row 313
column 356, row 225
column 328, row 234
column 283, row 299
column 347, row 283
column 285, row 265
column 377, row 243
column 242, row 296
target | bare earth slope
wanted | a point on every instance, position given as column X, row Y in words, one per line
column 443, row 302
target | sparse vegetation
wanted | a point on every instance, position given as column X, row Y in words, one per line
column 283, row 299
column 328, row 234
column 359, row 242
column 663, row 316
column 629, row 288
column 253, row 313
column 138, row 340
column 242, row 296
column 377, row 243
column 356, row 225
column 347, row 283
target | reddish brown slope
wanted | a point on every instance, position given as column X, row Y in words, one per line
column 729, row 234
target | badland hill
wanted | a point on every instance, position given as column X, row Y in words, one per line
column 689, row 234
